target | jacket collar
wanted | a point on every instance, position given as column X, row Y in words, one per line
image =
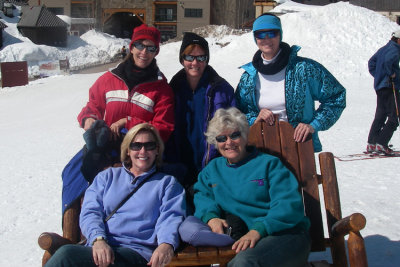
column 181, row 76
column 249, row 67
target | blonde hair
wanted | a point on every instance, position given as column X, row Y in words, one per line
column 230, row 118
column 130, row 136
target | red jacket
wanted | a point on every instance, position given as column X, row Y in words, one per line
column 152, row 102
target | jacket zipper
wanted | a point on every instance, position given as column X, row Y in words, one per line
column 208, row 119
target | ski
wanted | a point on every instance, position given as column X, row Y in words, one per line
column 366, row 156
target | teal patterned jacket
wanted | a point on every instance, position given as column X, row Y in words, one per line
column 306, row 81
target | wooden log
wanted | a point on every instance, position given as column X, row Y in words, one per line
column 46, row 257
column 187, row 253
column 332, row 207
column 289, row 149
column 352, row 223
column 71, row 228
column 357, row 253
column 195, row 256
column 52, row 241
column 227, row 252
column 309, row 182
column 271, row 138
column 255, row 137
column 207, row 252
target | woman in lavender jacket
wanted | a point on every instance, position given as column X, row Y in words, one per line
column 144, row 230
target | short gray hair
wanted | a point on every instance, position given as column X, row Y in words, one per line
column 230, row 118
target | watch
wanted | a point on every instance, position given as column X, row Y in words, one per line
column 99, row 238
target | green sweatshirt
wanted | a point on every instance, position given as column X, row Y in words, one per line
column 259, row 189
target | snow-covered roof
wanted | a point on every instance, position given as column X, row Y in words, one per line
column 2, row 25
column 40, row 16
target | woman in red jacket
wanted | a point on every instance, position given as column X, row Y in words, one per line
column 134, row 92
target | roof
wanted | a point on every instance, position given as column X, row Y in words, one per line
column 17, row 2
column 2, row 25
column 378, row 5
column 40, row 16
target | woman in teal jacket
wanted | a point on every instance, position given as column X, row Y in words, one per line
column 252, row 190
column 279, row 82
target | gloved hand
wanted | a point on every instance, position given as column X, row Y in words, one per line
column 97, row 136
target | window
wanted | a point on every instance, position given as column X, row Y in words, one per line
column 193, row 13
column 56, row 10
column 165, row 14
column 81, row 11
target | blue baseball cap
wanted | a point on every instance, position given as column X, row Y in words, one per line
column 267, row 22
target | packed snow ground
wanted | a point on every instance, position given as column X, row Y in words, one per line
column 39, row 132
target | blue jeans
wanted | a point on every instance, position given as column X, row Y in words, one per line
column 288, row 250
column 77, row 255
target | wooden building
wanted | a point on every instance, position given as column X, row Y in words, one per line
column 233, row 13
column 43, row 27
column 263, row 6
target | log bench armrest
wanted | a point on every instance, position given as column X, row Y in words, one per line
column 193, row 256
column 353, row 223
column 52, row 241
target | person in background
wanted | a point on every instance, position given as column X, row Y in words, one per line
column 251, row 186
column 280, row 83
column 144, row 230
column 123, row 52
column 384, row 67
column 199, row 92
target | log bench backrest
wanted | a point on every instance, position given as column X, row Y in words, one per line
column 278, row 140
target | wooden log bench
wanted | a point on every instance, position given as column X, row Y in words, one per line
column 300, row 159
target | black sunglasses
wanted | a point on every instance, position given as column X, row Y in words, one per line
column 233, row 136
column 136, row 146
column 190, row 58
column 149, row 48
column 262, row 34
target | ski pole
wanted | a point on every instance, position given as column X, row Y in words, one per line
column 395, row 102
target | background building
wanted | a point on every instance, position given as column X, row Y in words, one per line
column 388, row 8
column 42, row 26
column 233, row 13
column 263, row 6
column 192, row 14
column 172, row 18
column 82, row 12
column 165, row 18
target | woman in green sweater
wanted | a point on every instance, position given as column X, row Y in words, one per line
column 254, row 188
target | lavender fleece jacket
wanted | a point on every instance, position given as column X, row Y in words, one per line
column 150, row 217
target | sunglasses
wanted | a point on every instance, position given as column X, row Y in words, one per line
column 148, row 146
column 233, row 136
column 262, row 34
column 149, row 48
column 190, row 58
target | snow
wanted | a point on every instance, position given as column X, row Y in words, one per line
column 40, row 133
